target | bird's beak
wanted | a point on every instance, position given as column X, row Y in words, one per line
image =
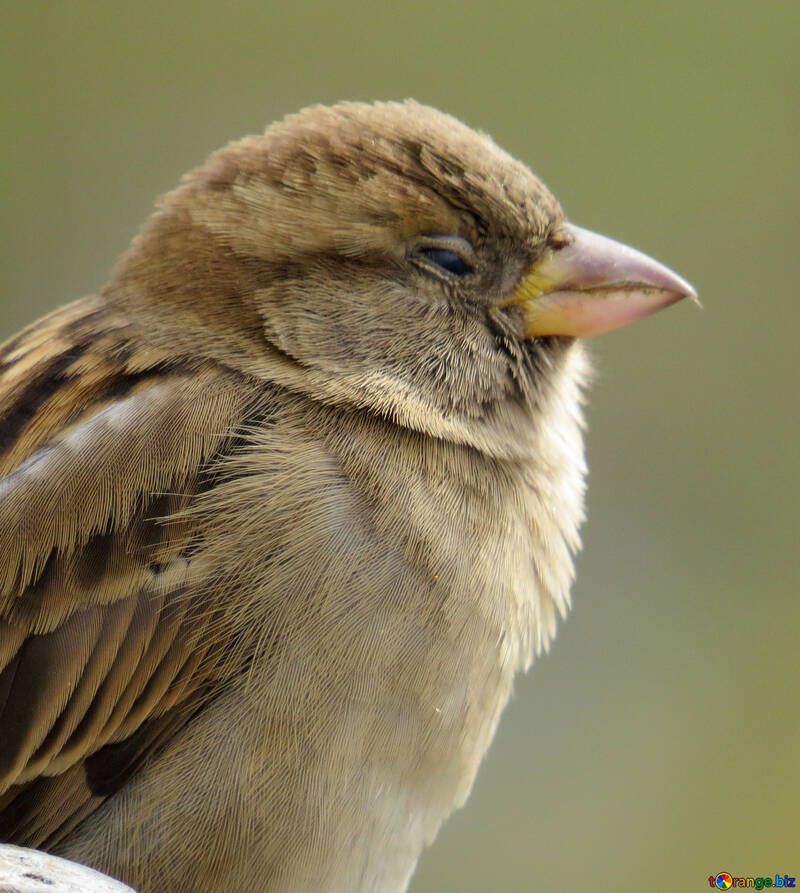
column 593, row 285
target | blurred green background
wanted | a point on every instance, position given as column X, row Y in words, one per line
column 658, row 742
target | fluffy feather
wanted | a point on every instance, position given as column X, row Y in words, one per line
column 282, row 515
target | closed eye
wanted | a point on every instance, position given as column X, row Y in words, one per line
column 450, row 255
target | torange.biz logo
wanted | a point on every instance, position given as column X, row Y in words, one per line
column 725, row 881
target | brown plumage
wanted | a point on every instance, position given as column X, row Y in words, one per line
column 285, row 507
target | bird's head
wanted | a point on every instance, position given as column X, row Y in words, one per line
column 389, row 257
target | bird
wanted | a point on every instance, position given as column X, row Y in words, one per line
column 287, row 505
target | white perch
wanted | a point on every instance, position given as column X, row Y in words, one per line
column 32, row 871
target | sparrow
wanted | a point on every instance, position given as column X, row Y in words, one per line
column 287, row 505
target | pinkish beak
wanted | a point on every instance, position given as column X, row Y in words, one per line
column 593, row 285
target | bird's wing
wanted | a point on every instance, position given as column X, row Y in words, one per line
column 102, row 654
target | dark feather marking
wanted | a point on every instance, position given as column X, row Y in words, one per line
column 16, row 805
column 109, row 768
column 35, row 395
column 92, row 562
column 149, row 527
column 123, row 384
column 34, row 814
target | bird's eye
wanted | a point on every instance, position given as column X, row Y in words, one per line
column 450, row 254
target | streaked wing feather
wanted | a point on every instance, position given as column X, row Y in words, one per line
column 102, row 655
